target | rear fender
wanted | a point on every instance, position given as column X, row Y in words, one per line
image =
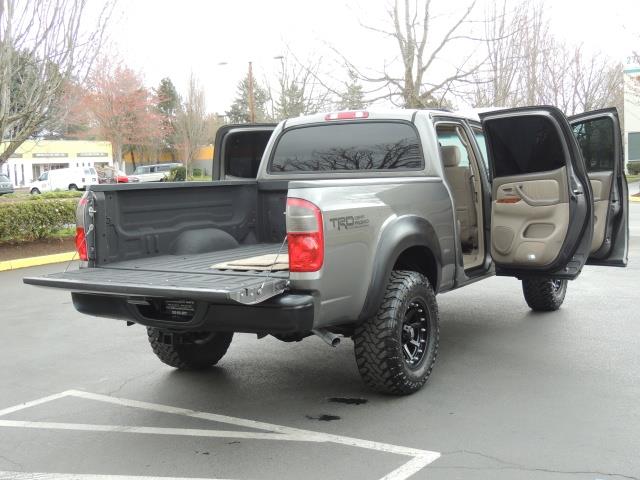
column 399, row 235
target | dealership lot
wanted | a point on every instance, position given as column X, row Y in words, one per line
column 514, row 394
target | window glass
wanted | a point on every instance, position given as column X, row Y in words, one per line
column 348, row 147
column 482, row 145
column 4, row 178
column 44, row 176
column 634, row 146
column 596, row 138
column 243, row 152
column 524, row 144
column 153, row 169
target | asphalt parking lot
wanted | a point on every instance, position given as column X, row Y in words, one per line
column 514, row 395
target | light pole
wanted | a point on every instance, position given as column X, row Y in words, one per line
column 252, row 109
column 252, row 99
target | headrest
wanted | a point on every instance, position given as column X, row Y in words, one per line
column 450, row 155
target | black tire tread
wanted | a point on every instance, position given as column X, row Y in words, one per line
column 540, row 295
column 190, row 357
column 374, row 339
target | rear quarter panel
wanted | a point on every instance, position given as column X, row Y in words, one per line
column 356, row 214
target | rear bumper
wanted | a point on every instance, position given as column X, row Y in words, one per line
column 288, row 313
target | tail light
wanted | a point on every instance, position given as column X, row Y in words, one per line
column 305, row 236
column 353, row 115
column 81, row 237
column 81, row 244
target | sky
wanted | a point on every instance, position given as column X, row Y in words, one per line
column 164, row 38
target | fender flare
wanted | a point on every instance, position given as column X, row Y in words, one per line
column 403, row 233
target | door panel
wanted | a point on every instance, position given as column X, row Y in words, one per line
column 598, row 135
column 542, row 205
column 530, row 218
column 601, row 186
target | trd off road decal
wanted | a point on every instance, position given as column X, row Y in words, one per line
column 349, row 222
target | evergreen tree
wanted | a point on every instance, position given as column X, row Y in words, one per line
column 352, row 97
column 239, row 111
column 168, row 105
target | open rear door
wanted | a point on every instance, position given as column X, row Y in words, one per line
column 238, row 150
column 598, row 135
column 542, row 206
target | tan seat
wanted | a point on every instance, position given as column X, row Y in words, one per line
column 459, row 179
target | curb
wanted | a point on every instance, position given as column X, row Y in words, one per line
column 35, row 261
column 634, row 199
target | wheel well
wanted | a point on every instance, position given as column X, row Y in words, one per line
column 419, row 259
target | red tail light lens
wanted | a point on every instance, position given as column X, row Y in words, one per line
column 305, row 236
column 346, row 115
column 81, row 244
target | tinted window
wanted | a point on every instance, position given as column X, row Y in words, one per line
column 526, row 144
column 346, row 147
column 595, row 138
column 243, row 152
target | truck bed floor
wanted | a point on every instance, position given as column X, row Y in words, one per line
column 200, row 262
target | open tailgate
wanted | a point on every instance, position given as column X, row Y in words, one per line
column 221, row 287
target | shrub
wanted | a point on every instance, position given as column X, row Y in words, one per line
column 197, row 172
column 57, row 194
column 177, row 174
column 633, row 168
column 32, row 220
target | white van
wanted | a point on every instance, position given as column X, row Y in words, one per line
column 64, row 179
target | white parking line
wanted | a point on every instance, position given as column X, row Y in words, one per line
column 419, row 458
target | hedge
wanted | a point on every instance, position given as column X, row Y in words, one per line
column 633, row 168
column 32, row 220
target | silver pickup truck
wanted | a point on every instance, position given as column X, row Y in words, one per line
column 349, row 224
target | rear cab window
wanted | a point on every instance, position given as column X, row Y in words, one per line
column 344, row 147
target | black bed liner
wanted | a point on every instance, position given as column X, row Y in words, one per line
column 177, row 276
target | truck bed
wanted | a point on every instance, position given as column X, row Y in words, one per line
column 177, row 276
column 201, row 262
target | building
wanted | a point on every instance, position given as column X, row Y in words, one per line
column 34, row 157
column 632, row 109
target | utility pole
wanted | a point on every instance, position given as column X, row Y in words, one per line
column 252, row 110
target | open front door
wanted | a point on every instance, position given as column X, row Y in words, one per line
column 238, row 150
column 541, row 206
column 599, row 138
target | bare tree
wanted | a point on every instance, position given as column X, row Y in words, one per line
column 496, row 83
column 191, row 121
column 527, row 65
column 43, row 46
column 421, row 82
column 299, row 90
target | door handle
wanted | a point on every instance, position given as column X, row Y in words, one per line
column 533, row 201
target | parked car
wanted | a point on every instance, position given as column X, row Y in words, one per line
column 76, row 178
column 355, row 221
column 5, row 185
column 153, row 173
column 111, row 175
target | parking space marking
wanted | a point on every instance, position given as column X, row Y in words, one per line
column 419, row 458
